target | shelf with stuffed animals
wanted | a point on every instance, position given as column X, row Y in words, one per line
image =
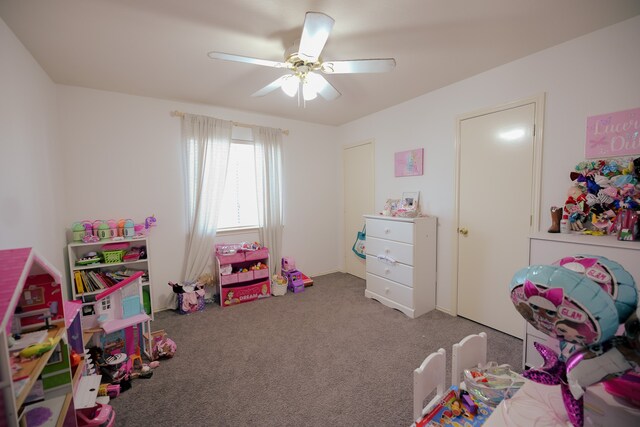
column 104, row 253
column 243, row 272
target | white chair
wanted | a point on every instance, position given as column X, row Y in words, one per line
column 430, row 376
column 468, row 353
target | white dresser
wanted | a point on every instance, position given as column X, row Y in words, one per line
column 547, row 248
column 401, row 263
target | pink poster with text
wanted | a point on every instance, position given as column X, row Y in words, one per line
column 613, row 134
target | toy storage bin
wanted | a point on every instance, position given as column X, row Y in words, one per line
column 112, row 256
column 263, row 273
column 244, row 293
column 279, row 286
column 228, row 279
column 231, row 258
column 245, row 276
column 258, row 254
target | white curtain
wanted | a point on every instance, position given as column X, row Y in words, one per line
column 205, row 142
column 268, row 149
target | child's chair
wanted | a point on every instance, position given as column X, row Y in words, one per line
column 430, row 376
column 468, row 353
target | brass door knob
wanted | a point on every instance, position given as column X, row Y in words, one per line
column 463, row 231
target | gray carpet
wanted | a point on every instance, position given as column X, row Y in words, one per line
column 325, row 357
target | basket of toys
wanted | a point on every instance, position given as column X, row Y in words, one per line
column 278, row 285
column 491, row 384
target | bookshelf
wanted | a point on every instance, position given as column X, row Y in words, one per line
column 89, row 278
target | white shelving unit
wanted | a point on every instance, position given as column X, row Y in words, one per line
column 77, row 250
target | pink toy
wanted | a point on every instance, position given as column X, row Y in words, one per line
column 100, row 415
column 288, row 263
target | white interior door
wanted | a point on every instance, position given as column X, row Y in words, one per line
column 358, row 199
column 495, row 213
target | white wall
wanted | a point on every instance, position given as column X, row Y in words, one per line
column 31, row 190
column 123, row 160
column 594, row 74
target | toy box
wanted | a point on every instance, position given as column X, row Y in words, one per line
column 238, row 294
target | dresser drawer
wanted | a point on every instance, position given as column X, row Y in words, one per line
column 399, row 231
column 401, row 252
column 393, row 271
column 390, row 290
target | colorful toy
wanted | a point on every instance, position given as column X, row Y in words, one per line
column 580, row 300
column 98, row 416
column 288, row 263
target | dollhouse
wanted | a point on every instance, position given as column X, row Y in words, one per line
column 121, row 308
column 31, row 308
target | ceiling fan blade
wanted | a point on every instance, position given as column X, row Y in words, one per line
column 276, row 84
column 246, row 59
column 322, row 86
column 315, row 33
column 381, row 65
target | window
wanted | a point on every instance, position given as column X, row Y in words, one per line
column 240, row 201
column 106, row 303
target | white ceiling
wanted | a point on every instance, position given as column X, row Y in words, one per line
column 158, row 48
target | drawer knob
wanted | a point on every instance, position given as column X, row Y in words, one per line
column 387, row 250
column 387, row 230
column 386, row 290
column 386, row 270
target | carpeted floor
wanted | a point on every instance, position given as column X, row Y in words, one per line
column 325, row 357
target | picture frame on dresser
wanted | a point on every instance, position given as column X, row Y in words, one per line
column 410, row 199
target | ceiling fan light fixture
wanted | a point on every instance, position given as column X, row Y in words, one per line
column 290, row 86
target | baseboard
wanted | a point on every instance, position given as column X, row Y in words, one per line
column 444, row 310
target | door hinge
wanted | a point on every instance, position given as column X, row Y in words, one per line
column 534, row 130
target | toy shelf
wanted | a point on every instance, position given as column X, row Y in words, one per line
column 243, row 286
column 77, row 250
column 104, row 264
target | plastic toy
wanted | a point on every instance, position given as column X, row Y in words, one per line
column 288, row 263
column 98, row 416
column 36, row 350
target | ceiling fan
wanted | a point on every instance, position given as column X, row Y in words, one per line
column 306, row 66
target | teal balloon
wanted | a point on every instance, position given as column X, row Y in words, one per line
column 620, row 284
column 580, row 294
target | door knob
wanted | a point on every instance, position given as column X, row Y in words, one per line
column 463, row 231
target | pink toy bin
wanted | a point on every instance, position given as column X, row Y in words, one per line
column 258, row 254
column 261, row 274
column 229, row 279
column 245, row 276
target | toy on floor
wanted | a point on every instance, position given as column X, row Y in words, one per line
column 98, row 416
column 294, row 277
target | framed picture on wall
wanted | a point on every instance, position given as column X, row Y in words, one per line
column 409, row 163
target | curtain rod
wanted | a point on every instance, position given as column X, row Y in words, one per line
column 176, row 113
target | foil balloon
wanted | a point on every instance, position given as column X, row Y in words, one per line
column 617, row 282
column 564, row 304
column 581, row 301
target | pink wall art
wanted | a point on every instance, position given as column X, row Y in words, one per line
column 409, row 163
column 613, row 134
